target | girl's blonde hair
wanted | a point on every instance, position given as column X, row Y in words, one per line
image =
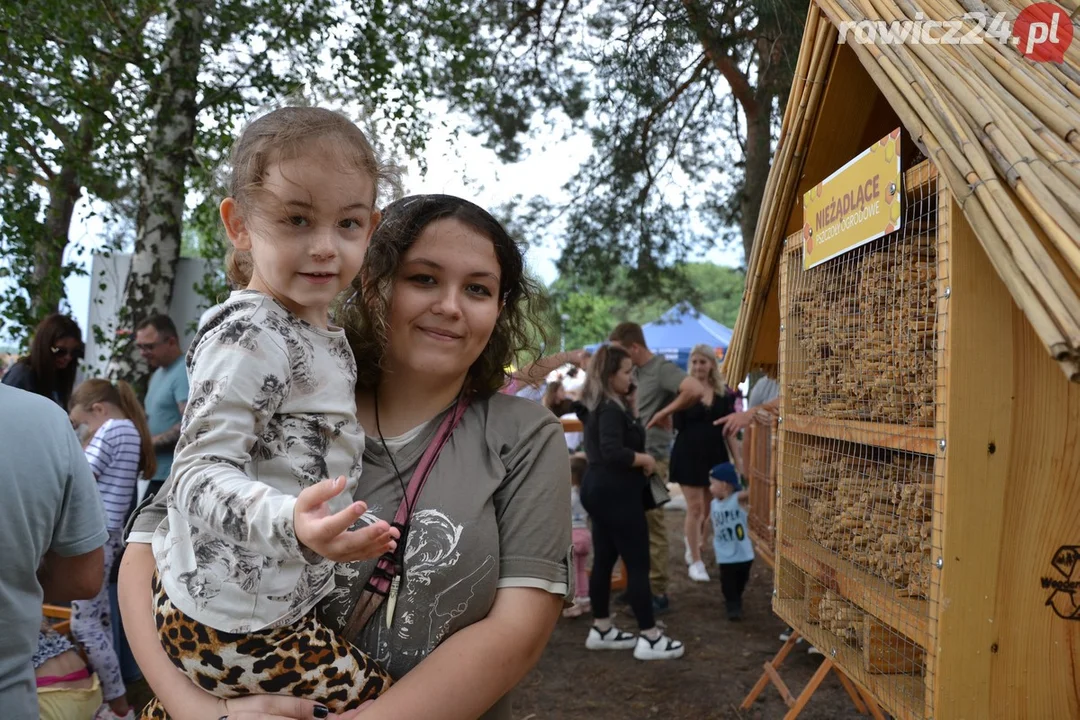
column 122, row 396
column 286, row 134
column 716, row 377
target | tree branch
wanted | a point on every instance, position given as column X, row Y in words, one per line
column 48, row 115
column 211, row 100
column 659, row 110
column 721, row 59
column 14, row 172
column 38, row 160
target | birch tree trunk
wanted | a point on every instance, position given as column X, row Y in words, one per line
column 167, row 155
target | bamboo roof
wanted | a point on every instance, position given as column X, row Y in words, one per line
column 1003, row 130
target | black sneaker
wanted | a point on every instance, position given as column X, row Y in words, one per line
column 660, row 604
column 734, row 611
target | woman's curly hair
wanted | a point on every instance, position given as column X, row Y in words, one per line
column 364, row 314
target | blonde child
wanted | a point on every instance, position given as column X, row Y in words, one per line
column 734, row 550
column 579, row 523
column 253, row 531
column 118, row 447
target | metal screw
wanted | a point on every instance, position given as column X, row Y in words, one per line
column 779, row 420
column 940, row 562
column 774, row 592
column 941, row 445
column 892, row 188
column 781, row 327
column 948, row 291
column 777, row 493
column 834, row 652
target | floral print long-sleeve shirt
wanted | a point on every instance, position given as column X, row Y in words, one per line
column 271, row 411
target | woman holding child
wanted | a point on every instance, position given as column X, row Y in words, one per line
column 476, row 579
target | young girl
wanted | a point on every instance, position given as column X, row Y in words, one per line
column 579, row 524
column 119, row 448
column 252, row 532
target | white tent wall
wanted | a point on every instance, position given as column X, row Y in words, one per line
column 108, row 276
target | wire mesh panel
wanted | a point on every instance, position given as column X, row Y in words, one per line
column 760, row 469
column 858, row 451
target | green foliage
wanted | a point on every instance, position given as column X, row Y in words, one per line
column 81, row 86
column 670, row 93
column 585, row 318
column 63, row 129
column 591, row 311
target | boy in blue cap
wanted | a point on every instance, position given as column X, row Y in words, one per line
column 734, row 551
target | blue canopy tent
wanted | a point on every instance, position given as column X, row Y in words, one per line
column 679, row 329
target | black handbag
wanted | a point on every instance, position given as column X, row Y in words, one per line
column 656, row 493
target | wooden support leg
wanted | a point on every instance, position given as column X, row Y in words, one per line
column 780, row 685
column 770, row 673
column 809, row 690
column 875, row 711
column 854, row 693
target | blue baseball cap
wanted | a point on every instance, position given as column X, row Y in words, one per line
column 725, row 472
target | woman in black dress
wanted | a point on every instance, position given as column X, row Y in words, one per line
column 699, row 445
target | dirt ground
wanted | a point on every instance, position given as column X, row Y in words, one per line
column 723, row 661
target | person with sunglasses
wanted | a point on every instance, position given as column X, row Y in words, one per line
column 166, row 398
column 55, row 350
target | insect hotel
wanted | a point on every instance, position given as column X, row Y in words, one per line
column 915, row 276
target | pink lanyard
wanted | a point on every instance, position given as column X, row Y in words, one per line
column 385, row 578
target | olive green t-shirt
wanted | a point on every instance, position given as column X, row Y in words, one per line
column 495, row 512
column 658, row 384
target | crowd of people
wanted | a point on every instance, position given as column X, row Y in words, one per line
column 647, row 420
column 344, row 507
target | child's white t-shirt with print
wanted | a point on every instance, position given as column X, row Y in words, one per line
column 271, row 411
column 730, row 540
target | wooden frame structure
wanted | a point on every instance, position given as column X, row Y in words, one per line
column 861, row 699
column 996, row 634
column 759, row 468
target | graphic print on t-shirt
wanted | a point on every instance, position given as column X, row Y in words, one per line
column 422, row 619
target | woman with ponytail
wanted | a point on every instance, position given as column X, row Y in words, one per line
column 119, row 448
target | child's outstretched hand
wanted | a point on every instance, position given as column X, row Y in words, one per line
column 329, row 535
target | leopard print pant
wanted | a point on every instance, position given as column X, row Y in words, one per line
column 305, row 659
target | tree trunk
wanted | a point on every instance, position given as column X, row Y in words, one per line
column 47, row 281
column 756, row 171
column 65, row 188
column 161, row 188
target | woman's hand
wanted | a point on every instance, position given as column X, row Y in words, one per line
column 661, row 419
column 735, row 422
column 275, row 707
column 646, row 462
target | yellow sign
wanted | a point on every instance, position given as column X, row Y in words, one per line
column 858, row 203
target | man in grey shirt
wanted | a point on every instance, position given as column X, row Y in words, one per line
column 52, row 530
column 662, row 390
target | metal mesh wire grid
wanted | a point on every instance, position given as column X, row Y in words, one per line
column 759, row 459
column 859, row 449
